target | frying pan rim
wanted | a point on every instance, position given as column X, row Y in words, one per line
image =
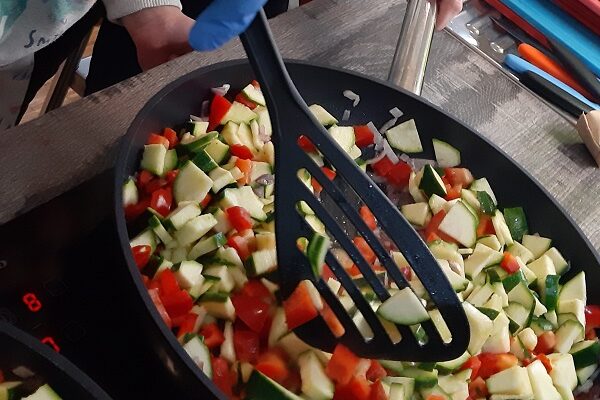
column 58, row 361
column 121, row 175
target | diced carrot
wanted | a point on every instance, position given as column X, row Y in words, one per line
column 485, row 226
column 357, row 388
column 273, row 365
column 332, row 321
column 364, row 249
column 299, row 307
column 246, row 167
column 342, row 365
column 377, row 392
column 368, row 217
column 375, row 371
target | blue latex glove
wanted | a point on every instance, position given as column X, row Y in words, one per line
column 221, row 21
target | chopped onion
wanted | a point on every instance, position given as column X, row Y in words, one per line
column 377, row 137
column 221, row 90
column 396, row 113
column 23, row 372
column 350, row 95
column 205, row 109
column 262, row 134
column 389, row 152
column 406, row 158
column 388, row 125
column 193, row 118
column 377, row 158
column 259, row 191
column 418, row 163
column 346, row 115
column 265, row 179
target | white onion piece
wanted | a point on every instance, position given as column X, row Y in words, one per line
column 196, row 119
column 221, row 90
column 262, row 134
column 377, row 137
column 375, row 159
column 388, row 125
column 396, row 113
column 205, row 109
column 346, row 115
column 389, row 152
column 350, row 95
column 406, row 158
column 23, row 372
column 418, row 163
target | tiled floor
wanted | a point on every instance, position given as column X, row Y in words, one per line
column 36, row 106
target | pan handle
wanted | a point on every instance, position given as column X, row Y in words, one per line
column 412, row 50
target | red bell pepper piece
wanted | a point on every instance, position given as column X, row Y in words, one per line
column 383, row 166
column 342, row 365
column 158, row 139
column 306, row 145
column 592, row 316
column 167, row 283
column 485, row 227
column 155, row 296
column 493, row 363
column 243, row 242
column 218, row 108
column 246, row 344
column 223, row 377
column 434, row 224
column 332, row 321
column 357, row 388
column 545, row 344
column 171, row 136
column 458, row 176
column 213, row 337
column 509, row 263
column 473, row 363
column 363, row 136
column 187, row 324
column 399, row 174
column 368, row 217
column 375, row 371
column 171, row 175
column 299, row 307
column 329, row 173
column 377, row 392
column 239, row 218
column 177, row 303
column 141, row 255
column 273, row 364
column 364, row 248
column 133, row 211
column 143, row 178
column 251, row 310
column 453, row 192
column 206, row 201
column 154, row 185
column 477, row 389
column 241, row 151
column 241, row 98
column 255, row 288
column 161, row 201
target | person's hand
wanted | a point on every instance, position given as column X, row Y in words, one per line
column 221, row 21
column 160, row 34
column 447, row 9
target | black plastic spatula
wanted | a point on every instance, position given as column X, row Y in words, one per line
column 291, row 118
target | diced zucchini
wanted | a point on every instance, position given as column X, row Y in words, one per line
column 480, row 326
column 403, row 308
column 423, row 379
column 536, row 244
column 563, row 371
column 227, row 348
column 222, row 272
column 322, row 115
column 182, row 214
column 278, row 327
column 542, row 267
column 255, row 95
column 482, row 185
column 437, row 203
column 246, row 198
column 197, row 143
column 541, row 383
column 153, row 159
column 485, row 202
column 567, row 334
column 293, row 345
column 585, row 353
column 160, row 230
column 261, row 262
column 44, row 392
column 200, row 354
column 512, row 381
column 560, row 264
column 218, row 151
column 405, row 137
column 481, row 258
column 417, row 213
column 194, row 229
column 518, row 250
column 574, row 289
column 499, row 340
column 586, row 373
column 315, row 383
column 188, row 274
column 440, row 325
column 318, row 247
column 343, row 135
column 261, row 387
column 130, row 193
column 207, row 245
column 8, row 389
column 145, row 238
column 445, row 154
column 452, row 365
column 460, row 224
column 501, row 229
column 238, row 113
column 191, row 183
column 265, row 120
column 431, row 183
column 219, row 309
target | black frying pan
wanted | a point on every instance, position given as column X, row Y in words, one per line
column 324, row 85
column 17, row 348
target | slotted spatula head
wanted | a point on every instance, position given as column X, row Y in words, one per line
column 291, row 118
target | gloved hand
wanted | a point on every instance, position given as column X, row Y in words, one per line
column 221, row 21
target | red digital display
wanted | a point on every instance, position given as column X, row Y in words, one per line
column 49, row 340
column 32, row 302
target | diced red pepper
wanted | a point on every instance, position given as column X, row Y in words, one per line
column 255, row 288
column 273, row 365
column 255, row 84
column 241, row 151
column 187, row 325
column 545, row 344
column 206, row 201
column 493, row 363
column 161, row 201
column 592, row 316
column 245, row 166
column 299, row 307
column 218, row 108
column 158, row 139
column 223, row 377
column 375, row 371
column 167, row 283
column 368, row 217
column 155, row 296
column 154, row 185
column 171, row 175
column 143, row 178
column 363, row 136
column 251, row 310
column 213, row 337
column 327, row 273
column 171, row 136
column 294, row 382
column 342, row 365
column 246, row 344
column 383, row 166
column 177, row 303
column 243, row 242
column 332, row 321
column 141, row 255
column 377, row 392
column 306, row 145
column 353, row 270
column 473, row 363
column 434, row 224
column 485, row 227
column 407, row 272
column 453, row 192
column 329, row 173
column 364, row 248
column 478, row 389
column 545, row 361
column 241, row 98
column 509, row 263
column 399, row 174
column 357, row 388
column 239, row 218
column 458, row 176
